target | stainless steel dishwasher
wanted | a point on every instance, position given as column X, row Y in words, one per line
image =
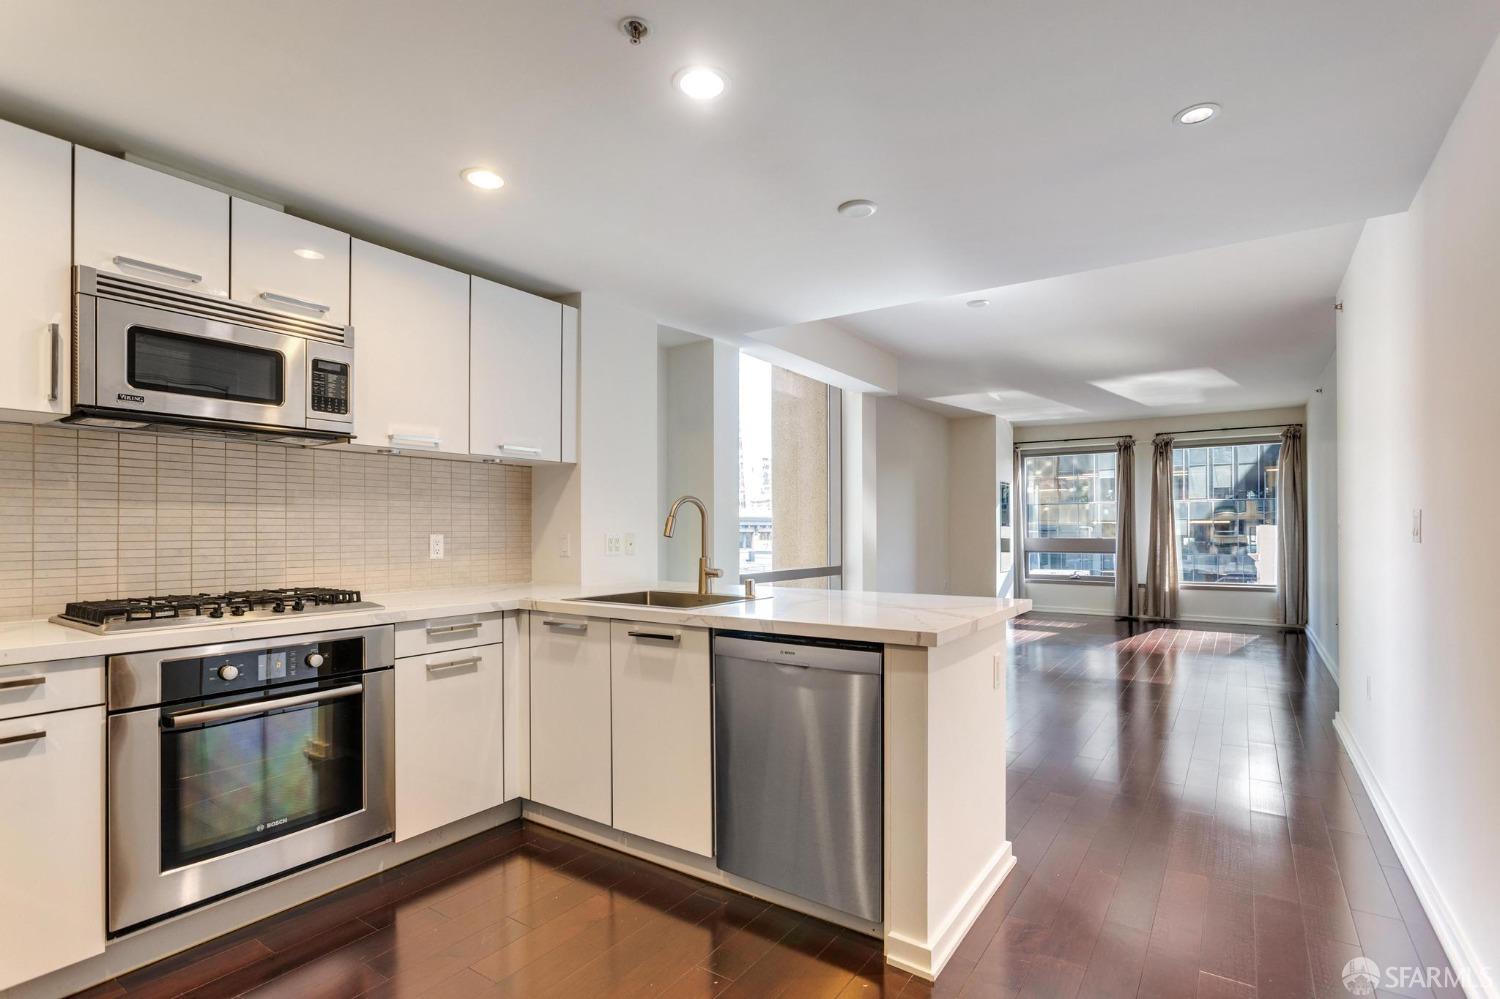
column 798, row 767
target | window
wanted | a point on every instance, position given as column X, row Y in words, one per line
column 1225, row 507
column 1070, row 516
column 791, row 477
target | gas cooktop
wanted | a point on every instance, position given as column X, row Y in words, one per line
column 135, row 613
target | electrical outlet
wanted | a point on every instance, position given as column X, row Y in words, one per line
column 629, row 545
column 565, row 546
column 1416, row 526
column 435, row 546
column 612, row 544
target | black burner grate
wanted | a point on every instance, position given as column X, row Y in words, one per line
column 235, row 603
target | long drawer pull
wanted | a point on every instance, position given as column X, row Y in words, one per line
column 566, row 625
column 54, row 391
column 12, row 740
column 25, row 681
column 521, row 449
column 416, row 440
column 262, row 707
column 443, row 630
column 294, row 303
column 145, row 265
column 455, row 664
column 656, row 636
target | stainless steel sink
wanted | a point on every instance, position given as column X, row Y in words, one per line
column 665, row 598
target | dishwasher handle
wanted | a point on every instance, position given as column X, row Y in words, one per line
column 808, row 655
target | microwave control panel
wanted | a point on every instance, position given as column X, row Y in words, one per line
column 330, row 387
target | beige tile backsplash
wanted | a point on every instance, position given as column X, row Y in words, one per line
column 88, row 514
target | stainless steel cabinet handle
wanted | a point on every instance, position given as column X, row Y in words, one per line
column 56, row 389
column 161, row 269
column 566, row 625
column 415, row 440
column 25, row 681
column 261, row 707
column 294, row 303
column 657, row 636
column 455, row 664
column 520, row 449
column 451, row 629
column 11, row 740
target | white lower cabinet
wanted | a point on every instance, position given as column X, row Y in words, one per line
column 662, row 734
column 570, row 715
column 450, row 737
column 51, row 842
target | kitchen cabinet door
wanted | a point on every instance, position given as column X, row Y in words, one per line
column 450, row 741
column 287, row 264
column 515, row 382
column 130, row 219
column 51, row 842
column 570, row 717
column 35, row 246
column 663, row 734
column 411, row 361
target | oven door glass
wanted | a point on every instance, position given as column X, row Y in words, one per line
column 226, row 785
column 214, row 369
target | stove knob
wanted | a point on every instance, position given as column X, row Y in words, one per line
column 315, row 660
column 229, row 672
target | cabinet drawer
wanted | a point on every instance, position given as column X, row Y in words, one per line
column 35, row 688
column 52, row 864
column 450, row 737
column 418, row 638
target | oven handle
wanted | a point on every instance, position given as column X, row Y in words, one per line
column 261, row 707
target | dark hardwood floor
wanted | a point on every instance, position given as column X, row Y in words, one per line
column 1184, row 822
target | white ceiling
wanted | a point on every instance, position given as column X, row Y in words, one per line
column 1004, row 142
column 1247, row 326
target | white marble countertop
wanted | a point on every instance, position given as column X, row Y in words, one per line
column 890, row 618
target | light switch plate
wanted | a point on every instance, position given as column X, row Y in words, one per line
column 1416, row 526
column 565, row 546
column 612, row 544
column 434, row 546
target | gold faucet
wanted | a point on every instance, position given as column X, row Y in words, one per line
column 704, row 569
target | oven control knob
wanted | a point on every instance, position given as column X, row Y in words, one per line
column 315, row 660
column 229, row 672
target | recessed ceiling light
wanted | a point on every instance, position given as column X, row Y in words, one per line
column 859, row 208
column 1196, row 115
column 700, row 82
column 483, row 178
column 307, row 254
column 978, row 303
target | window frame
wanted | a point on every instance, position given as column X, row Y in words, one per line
column 1077, row 546
column 1210, row 443
column 834, row 568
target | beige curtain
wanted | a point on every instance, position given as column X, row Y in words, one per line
column 1161, row 555
column 1291, row 524
column 1018, row 528
column 1127, row 593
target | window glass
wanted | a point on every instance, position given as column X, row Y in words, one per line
column 791, row 500
column 1226, row 513
column 1070, row 515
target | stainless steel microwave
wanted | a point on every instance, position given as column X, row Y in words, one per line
column 146, row 357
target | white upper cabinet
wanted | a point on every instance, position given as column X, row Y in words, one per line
column 516, row 374
column 132, row 220
column 35, row 232
column 287, row 264
column 411, row 344
column 662, row 734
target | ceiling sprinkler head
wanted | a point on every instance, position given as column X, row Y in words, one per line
column 635, row 28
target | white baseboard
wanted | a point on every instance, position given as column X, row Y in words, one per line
column 1477, row 981
column 1329, row 663
column 927, row 958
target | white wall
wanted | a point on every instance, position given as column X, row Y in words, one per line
column 911, row 498
column 615, row 487
column 1231, row 606
column 979, row 459
column 1321, row 436
column 1418, row 358
column 699, row 434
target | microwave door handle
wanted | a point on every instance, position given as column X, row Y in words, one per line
column 261, row 707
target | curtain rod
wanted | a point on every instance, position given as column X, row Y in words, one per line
column 1174, row 433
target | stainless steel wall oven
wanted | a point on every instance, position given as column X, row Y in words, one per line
column 233, row 764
